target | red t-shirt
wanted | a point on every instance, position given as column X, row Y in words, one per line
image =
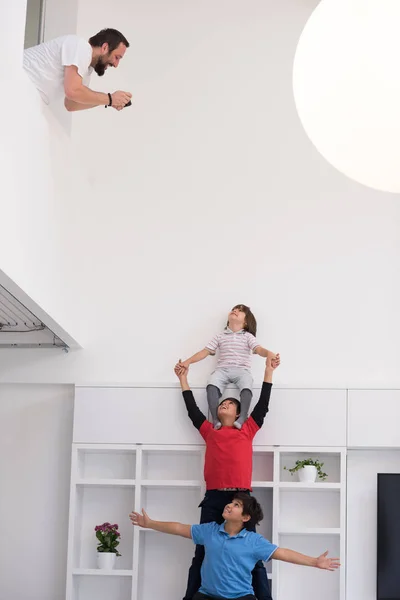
column 229, row 455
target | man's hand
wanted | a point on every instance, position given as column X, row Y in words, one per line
column 330, row 564
column 181, row 373
column 142, row 520
column 119, row 99
column 181, row 370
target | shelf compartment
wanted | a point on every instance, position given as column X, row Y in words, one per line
column 304, row 583
column 104, row 463
column 265, row 498
column 331, row 466
column 172, row 503
column 171, row 464
column 87, row 586
column 310, row 509
column 263, row 466
column 94, row 506
column 166, row 553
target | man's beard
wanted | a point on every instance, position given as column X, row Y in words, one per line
column 100, row 67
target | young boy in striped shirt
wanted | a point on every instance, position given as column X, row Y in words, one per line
column 235, row 344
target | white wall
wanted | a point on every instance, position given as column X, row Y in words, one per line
column 207, row 192
column 362, row 469
column 37, row 169
column 35, row 450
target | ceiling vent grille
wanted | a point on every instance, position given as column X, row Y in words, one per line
column 20, row 328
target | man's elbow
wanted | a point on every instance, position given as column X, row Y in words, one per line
column 68, row 104
column 71, row 105
column 71, row 93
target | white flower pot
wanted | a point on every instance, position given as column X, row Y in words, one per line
column 308, row 474
column 106, row 560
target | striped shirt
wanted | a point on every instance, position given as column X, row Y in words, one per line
column 235, row 348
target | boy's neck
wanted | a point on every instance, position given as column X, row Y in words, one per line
column 235, row 327
column 233, row 528
column 229, row 421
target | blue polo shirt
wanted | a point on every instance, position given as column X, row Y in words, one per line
column 229, row 560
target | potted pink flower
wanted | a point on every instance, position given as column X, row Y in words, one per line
column 108, row 537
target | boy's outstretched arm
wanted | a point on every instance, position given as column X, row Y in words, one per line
column 196, row 357
column 195, row 414
column 320, row 562
column 262, row 406
column 264, row 352
column 143, row 520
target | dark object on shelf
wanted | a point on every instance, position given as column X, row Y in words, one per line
column 388, row 537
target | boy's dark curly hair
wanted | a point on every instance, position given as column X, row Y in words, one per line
column 251, row 508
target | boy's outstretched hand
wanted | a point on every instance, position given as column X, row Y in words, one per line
column 323, row 562
column 180, row 369
column 143, row 520
column 273, row 363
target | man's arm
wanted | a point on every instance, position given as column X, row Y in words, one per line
column 195, row 414
column 72, row 106
column 262, row 406
column 143, row 520
column 320, row 562
column 80, row 94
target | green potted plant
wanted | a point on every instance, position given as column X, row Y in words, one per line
column 308, row 470
column 108, row 537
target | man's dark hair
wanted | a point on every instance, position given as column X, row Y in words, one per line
column 236, row 401
column 112, row 37
column 250, row 324
column 251, row 508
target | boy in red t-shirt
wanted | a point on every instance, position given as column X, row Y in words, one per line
column 228, row 465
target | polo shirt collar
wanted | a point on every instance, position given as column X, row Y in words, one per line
column 228, row 330
column 241, row 533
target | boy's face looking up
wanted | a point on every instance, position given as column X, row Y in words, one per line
column 227, row 408
column 237, row 317
column 233, row 512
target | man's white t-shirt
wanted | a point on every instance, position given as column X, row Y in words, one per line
column 45, row 63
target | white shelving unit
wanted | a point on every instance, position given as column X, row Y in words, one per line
column 109, row 480
column 310, row 519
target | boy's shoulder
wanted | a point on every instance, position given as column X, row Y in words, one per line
column 211, row 525
column 209, row 528
column 249, row 335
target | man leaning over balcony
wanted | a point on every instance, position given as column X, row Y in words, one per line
column 65, row 64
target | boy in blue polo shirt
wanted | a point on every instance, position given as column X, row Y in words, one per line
column 231, row 550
